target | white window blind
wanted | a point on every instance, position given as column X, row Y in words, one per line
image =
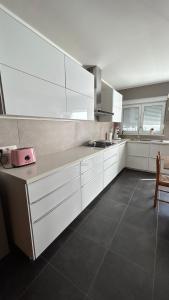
column 130, row 119
column 152, row 117
column 141, row 117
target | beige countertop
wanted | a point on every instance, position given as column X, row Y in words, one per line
column 48, row 164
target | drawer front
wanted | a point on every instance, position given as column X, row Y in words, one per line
column 91, row 162
column 138, row 163
column 152, row 166
column 55, row 198
column 110, row 161
column 91, row 190
column 110, row 152
column 154, row 149
column 48, row 228
column 110, row 174
column 138, row 149
column 164, row 149
column 46, row 185
column 91, row 174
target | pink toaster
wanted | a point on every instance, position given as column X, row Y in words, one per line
column 23, row 156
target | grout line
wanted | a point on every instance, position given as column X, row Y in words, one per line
column 115, row 232
column 155, row 253
column 31, row 283
column 131, row 262
column 67, row 278
column 19, row 140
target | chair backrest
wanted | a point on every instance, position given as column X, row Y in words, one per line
column 158, row 166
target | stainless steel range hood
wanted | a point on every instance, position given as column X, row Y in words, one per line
column 96, row 71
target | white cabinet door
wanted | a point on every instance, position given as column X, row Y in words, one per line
column 92, row 162
column 23, row 49
column 117, row 106
column 138, row 149
column 92, row 189
column 42, row 206
column 79, row 106
column 164, row 150
column 110, row 173
column 78, row 79
column 50, row 226
column 138, row 163
column 154, row 149
column 26, row 95
column 121, row 157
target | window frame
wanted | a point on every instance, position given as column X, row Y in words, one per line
column 141, row 103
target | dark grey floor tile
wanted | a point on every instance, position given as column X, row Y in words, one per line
column 110, row 208
column 79, row 260
column 162, row 262
column 99, row 228
column 144, row 194
column 16, row 273
column 161, row 288
column 51, row 285
column 135, row 245
column 120, row 280
column 120, row 193
column 163, row 221
column 145, row 219
column 59, row 242
column 79, row 220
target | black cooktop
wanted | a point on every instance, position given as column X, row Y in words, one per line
column 100, row 144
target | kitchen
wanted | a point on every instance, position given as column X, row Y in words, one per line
column 78, row 144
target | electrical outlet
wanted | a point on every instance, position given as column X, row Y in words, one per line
column 5, row 154
column 6, row 149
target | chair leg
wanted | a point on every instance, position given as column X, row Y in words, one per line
column 155, row 196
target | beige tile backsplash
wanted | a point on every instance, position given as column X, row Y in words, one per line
column 8, row 132
column 49, row 136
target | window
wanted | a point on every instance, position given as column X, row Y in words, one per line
column 131, row 119
column 141, row 117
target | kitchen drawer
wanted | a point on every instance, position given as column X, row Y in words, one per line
column 110, row 173
column 138, row 163
column 50, row 226
column 91, row 190
column 152, row 166
column 55, row 198
column 164, row 150
column 154, row 149
column 110, row 152
column 91, row 173
column 110, row 161
column 138, row 149
column 46, row 185
column 91, row 162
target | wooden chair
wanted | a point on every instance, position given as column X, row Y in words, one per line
column 161, row 180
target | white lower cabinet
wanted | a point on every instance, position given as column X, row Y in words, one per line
column 48, row 205
column 121, row 157
column 138, row 163
column 110, row 173
column 52, row 212
column 92, row 189
column 51, row 225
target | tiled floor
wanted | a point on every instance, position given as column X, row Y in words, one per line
column 118, row 248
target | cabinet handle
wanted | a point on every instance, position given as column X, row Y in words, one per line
column 52, row 209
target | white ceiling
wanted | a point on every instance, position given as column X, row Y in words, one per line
column 128, row 39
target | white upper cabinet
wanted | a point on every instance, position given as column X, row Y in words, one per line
column 117, row 106
column 79, row 106
column 78, row 79
column 111, row 102
column 23, row 49
column 27, row 95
